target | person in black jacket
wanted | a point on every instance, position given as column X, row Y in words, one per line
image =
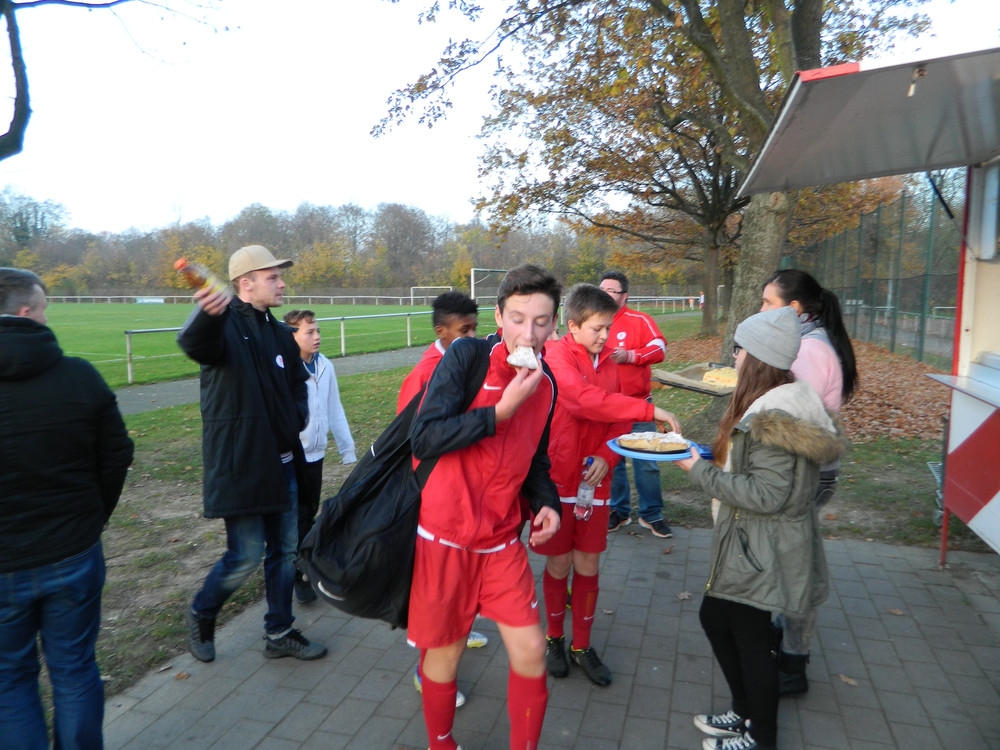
column 64, row 454
column 253, row 405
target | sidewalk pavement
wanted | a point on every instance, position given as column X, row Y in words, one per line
column 907, row 656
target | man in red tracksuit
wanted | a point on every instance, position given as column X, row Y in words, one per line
column 469, row 558
column 590, row 411
column 637, row 344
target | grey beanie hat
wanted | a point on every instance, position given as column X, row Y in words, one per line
column 772, row 336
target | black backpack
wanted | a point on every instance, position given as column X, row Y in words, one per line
column 358, row 556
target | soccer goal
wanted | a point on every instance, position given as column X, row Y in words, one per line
column 482, row 275
column 416, row 292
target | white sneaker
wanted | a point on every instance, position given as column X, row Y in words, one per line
column 476, row 639
column 743, row 742
column 459, row 698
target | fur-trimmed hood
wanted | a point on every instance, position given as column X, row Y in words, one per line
column 793, row 418
column 780, row 429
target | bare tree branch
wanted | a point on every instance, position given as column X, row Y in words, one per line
column 12, row 141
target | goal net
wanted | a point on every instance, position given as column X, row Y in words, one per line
column 484, row 282
column 424, row 295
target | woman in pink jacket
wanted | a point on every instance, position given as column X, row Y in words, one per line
column 825, row 361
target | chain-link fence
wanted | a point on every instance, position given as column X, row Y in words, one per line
column 896, row 273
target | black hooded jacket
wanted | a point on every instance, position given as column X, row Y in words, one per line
column 254, row 403
column 64, row 449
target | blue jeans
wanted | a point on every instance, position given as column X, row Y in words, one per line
column 273, row 536
column 647, row 484
column 62, row 602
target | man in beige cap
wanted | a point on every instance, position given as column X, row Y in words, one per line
column 253, row 405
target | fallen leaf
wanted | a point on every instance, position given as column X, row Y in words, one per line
column 848, row 680
column 894, row 611
column 182, row 675
column 830, row 516
column 684, row 595
column 668, row 550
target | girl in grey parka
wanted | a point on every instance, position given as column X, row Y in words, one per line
column 767, row 554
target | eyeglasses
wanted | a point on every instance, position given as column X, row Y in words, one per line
column 737, row 349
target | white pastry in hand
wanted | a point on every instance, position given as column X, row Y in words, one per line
column 523, row 356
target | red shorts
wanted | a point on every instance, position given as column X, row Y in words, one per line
column 587, row 536
column 452, row 585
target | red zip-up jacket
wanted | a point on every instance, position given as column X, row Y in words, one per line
column 419, row 375
column 472, row 496
column 637, row 332
column 590, row 411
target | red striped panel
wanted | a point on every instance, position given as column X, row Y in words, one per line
column 972, row 470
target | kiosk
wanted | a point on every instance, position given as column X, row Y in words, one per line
column 857, row 121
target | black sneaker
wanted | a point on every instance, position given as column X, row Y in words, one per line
column 555, row 656
column 201, row 636
column 729, row 724
column 588, row 660
column 659, row 528
column 293, row 643
column 304, row 592
column 743, row 742
column 616, row 520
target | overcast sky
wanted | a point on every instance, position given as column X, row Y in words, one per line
column 142, row 119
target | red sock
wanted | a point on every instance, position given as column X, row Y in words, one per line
column 584, row 607
column 439, row 710
column 526, row 701
column 555, row 592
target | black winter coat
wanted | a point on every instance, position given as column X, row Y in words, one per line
column 64, row 449
column 253, row 405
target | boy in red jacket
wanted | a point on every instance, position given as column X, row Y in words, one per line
column 455, row 316
column 590, row 411
column 469, row 558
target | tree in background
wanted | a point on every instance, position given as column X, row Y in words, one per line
column 711, row 73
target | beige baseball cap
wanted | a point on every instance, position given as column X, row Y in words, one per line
column 253, row 258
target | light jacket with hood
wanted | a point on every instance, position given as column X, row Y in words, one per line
column 766, row 547
column 326, row 414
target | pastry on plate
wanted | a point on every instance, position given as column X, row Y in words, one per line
column 654, row 442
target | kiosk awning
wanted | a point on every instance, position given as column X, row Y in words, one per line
column 856, row 121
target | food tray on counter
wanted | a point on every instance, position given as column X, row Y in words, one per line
column 691, row 379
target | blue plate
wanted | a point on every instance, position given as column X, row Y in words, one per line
column 649, row 455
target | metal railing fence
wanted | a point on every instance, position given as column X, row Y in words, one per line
column 896, row 273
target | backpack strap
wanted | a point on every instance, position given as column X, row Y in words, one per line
column 481, row 365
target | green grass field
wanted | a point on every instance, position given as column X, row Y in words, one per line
column 96, row 332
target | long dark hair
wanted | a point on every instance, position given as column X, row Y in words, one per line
column 793, row 285
column 755, row 379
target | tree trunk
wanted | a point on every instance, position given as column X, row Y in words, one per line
column 710, row 310
column 764, row 229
